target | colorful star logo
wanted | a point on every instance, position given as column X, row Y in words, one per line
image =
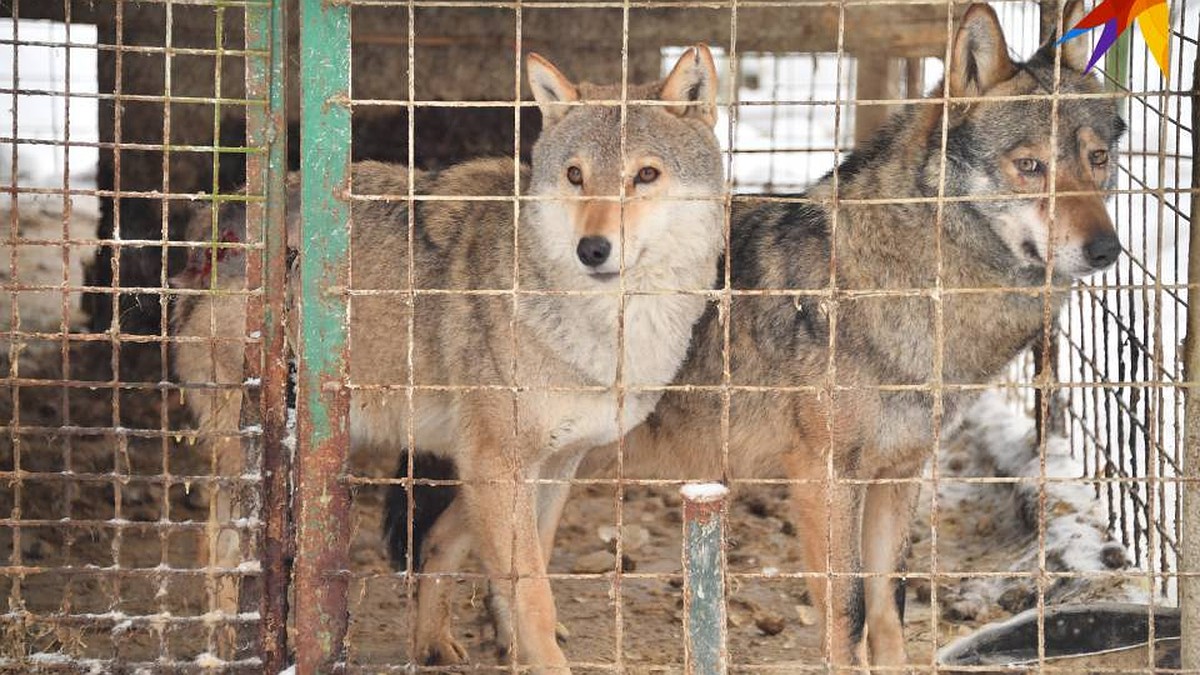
column 1115, row 15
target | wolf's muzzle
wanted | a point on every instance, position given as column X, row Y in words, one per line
column 1102, row 250
column 593, row 251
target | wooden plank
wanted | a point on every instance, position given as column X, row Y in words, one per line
column 877, row 77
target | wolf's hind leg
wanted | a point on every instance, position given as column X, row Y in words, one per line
column 446, row 547
column 428, row 504
column 830, row 544
column 887, row 514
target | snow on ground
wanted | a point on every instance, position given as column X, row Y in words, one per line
column 993, row 490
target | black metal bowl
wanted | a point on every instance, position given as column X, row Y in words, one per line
column 1072, row 632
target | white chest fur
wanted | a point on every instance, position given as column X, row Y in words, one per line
column 656, row 332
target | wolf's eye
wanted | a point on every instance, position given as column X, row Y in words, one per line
column 575, row 175
column 1098, row 157
column 1029, row 166
column 646, row 174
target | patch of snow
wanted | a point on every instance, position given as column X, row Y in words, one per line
column 289, row 438
column 207, row 660
column 50, row 658
column 993, row 526
column 1076, row 529
column 703, row 492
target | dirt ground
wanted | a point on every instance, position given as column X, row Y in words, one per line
column 770, row 621
column 105, row 525
column 124, row 511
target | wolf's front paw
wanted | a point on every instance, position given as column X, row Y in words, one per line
column 442, row 650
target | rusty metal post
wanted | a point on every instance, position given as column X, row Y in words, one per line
column 323, row 401
column 704, row 578
column 266, row 128
column 1189, row 552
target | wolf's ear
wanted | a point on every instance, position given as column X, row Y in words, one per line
column 550, row 88
column 1074, row 52
column 980, row 59
column 692, row 86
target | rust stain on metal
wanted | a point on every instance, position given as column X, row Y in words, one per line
column 266, row 172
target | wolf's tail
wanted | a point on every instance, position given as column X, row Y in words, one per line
column 429, row 501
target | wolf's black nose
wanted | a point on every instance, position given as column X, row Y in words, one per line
column 1103, row 250
column 593, row 251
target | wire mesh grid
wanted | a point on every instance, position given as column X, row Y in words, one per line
column 124, row 530
column 1133, row 430
column 137, row 533
column 604, row 574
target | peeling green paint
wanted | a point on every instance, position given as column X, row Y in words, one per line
column 704, row 585
column 1116, row 69
column 323, row 401
column 325, row 235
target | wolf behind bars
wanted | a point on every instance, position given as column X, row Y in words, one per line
column 532, row 357
column 889, row 315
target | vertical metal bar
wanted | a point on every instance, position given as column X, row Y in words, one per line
column 704, row 578
column 1048, row 395
column 266, row 128
column 16, row 485
column 323, row 401
column 216, row 629
column 1189, row 554
column 226, row 459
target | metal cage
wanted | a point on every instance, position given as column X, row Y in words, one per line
column 219, row 519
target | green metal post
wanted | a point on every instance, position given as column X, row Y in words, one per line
column 323, row 501
column 704, row 579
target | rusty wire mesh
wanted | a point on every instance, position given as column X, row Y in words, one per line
column 625, row 601
column 122, row 121
column 111, row 516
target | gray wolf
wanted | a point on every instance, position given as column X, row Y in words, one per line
column 865, row 317
column 626, row 214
